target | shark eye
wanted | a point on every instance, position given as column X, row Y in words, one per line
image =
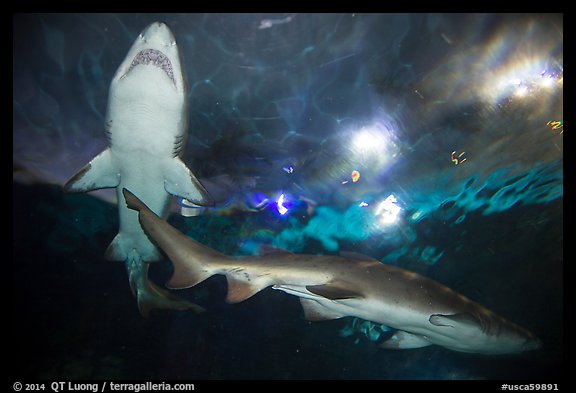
column 173, row 43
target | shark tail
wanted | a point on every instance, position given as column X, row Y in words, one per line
column 193, row 262
column 149, row 295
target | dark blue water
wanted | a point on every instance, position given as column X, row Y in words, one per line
column 453, row 124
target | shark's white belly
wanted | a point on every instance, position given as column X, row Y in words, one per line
column 364, row 308
column 141, row 172
column 403, row 318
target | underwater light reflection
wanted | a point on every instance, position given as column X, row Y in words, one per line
column 388, row 211
column 375, row 139
column 520, row 62
column 522, row 80
column 372, row 148
column 280, row 205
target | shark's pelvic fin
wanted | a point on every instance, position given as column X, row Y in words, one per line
column 149, row 295
column 114, row 252
column 119, row 250
column 101, row 172
column 405, row 340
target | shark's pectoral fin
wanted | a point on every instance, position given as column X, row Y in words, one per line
column 405, row 340
column 333, row 291
column 314, row 311
column 101, row 172
column 181, row 182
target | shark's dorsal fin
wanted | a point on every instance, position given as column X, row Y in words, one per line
column 267, row 249
column 334, row 291
column 314, row 311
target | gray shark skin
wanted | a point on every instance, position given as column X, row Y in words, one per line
column 146, row 127
column 423, row 311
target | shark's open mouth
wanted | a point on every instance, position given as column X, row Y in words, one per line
column 155, row 57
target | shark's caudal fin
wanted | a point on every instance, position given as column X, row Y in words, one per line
column 193, row 262
column 150, row 296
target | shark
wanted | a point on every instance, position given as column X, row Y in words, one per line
column 146, row 126
column 422, row 311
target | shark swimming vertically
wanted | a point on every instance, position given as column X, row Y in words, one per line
column 423, row 312
column 146, row 127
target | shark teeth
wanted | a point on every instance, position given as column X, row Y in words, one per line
column 156, row 58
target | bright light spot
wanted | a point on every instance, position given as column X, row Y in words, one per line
column 516, row 82
column 521, row 91
column 458, row 159
column 373, row 146
column 521, row 80
column 363, row 204
column 547, row 81
column 416, row 215
column 355, row 177
column 388, row 210
column 257, row 200
column 364, row 140
column 188, row 209
column 280, row 203
column 369, row 140
column 556, row 125
column 186, row 203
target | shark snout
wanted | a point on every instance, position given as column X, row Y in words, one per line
column 158, row 34
column 526, row 341
column 155, row 46
column 533, row 343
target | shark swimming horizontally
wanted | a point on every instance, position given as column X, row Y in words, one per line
column 423, row 312
column 146, row 127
